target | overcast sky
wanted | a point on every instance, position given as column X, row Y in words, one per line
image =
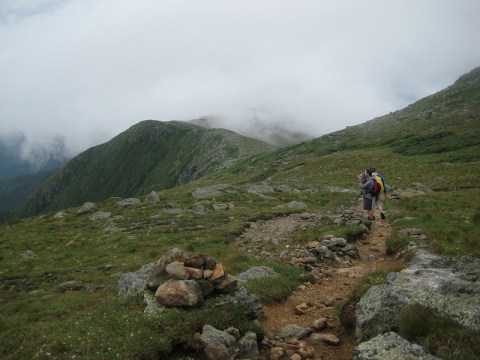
column 89, row 69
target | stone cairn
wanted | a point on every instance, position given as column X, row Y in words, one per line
column 178, row 279
column 182, row 279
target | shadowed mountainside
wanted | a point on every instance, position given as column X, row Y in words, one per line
column 150, row 155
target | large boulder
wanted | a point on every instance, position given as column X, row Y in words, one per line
column 449, row 286
column 249, row 303
column 179, row 293
column 390, row 346
column 218, row 344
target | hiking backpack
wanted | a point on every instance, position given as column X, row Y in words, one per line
column 381, row 180
column 376, row 188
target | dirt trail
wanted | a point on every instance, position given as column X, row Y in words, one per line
column 325, row 298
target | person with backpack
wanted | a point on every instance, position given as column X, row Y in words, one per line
column 378, row 202
column 370, row 189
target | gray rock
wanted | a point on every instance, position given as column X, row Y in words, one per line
column 29, row 254
column 320, row 324
column 88, row 207
column 205, row 193
column 334, row 243
column 259, row 189
column 100, row 215
column 133, row 285
column 179, row 293
column 329, row 339
column 448, row 286
column 218, row 345
column 248, row 302
column 221, row 207
column 152, row 197
column 297, row 205
column 293, row 332
column 248, row 347
column 128, row 202
column 60, row 215
column 285, row 188
column 234, row 332
column 112, row 229
column 206, row 287
column 177, row 270
column 152, row 304
column 256, row 272
column 390, row 346
column 198, row 208
column 228, row 284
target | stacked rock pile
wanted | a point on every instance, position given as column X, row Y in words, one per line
column 181, row 279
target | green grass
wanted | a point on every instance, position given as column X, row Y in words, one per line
column 275, row 289
column 373, row 278
column 432, row 331
column 449, row 220
column 39, row 319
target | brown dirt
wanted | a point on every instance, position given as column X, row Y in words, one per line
column 324, row 299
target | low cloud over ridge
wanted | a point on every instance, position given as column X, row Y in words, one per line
column 89, row 69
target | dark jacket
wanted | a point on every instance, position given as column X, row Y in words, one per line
column 366, row 185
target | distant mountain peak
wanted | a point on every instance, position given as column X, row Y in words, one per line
column 276, row 133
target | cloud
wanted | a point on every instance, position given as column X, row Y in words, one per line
column 89, row 69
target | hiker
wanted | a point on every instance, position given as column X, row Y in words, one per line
column 365, row 181
column 378, row 201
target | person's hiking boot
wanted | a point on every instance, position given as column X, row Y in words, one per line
column 382, row 215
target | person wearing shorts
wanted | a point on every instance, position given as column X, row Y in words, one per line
column 365, row 181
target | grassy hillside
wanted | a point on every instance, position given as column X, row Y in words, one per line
column 40, row 254
column 445, row 121
column 151, row 155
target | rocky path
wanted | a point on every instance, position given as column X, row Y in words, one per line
column 320, row 301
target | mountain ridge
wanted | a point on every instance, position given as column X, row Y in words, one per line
column 433, row 124
column 149, row 155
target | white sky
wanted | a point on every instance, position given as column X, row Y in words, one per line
column 89, row 69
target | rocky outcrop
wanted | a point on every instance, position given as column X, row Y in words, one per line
column 448, row 286
column 100, row 215
column 327, row 250
column 297, row 342
column 390, row 346
column 86, row 208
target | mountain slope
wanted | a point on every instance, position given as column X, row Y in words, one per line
column 59, row 274
column 151, row 155
column 445, row 121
